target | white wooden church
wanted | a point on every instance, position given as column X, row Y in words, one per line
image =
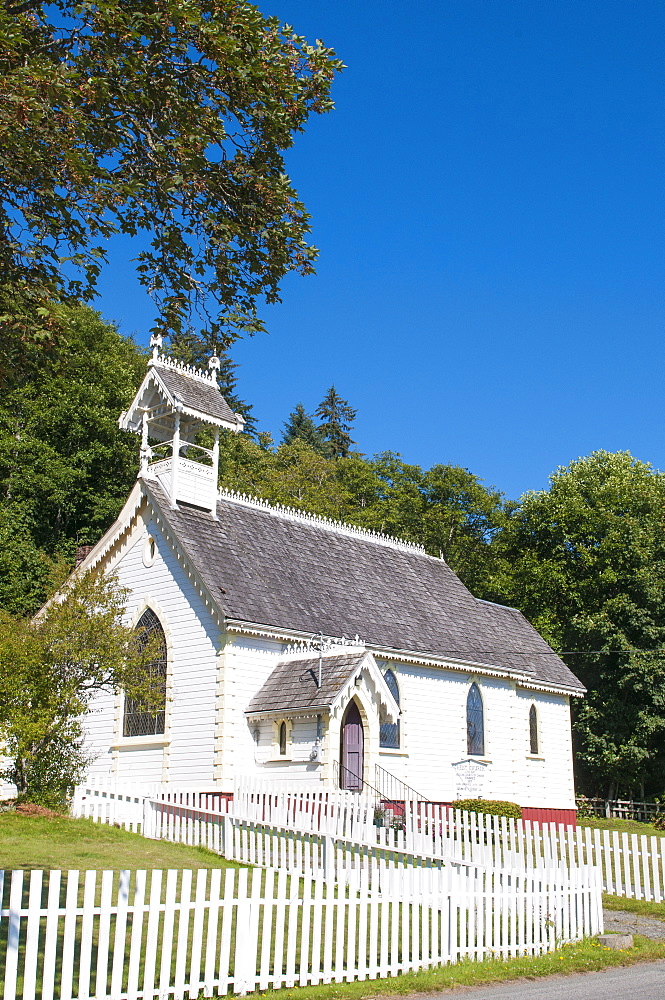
column 301, row 649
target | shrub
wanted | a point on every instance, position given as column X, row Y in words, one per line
column 585, row 808
column 490, row 807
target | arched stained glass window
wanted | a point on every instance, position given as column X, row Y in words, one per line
column 389, row 734
column 533, row 729
column 475, row 726
column 282, row 739
column 136, row 720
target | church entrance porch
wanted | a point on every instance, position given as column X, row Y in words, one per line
column 352, row 749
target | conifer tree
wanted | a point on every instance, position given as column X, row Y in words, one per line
column 336, row 421
column 301, row 427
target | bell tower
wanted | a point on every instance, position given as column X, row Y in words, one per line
column 173, row 404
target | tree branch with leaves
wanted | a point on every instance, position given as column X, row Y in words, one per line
column 162, row 119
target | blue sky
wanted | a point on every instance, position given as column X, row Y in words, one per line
column 488, row 201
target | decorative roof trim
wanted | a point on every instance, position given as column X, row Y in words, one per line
column 385, row 695
column 139, row 497
column 210, row 377
column 532, row 685
column 339, row 527
column 123, row 524
column 278, row 713
column 236, row 626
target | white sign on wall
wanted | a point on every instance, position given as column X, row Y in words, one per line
column 470, row 779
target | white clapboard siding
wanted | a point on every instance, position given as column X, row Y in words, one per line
column 194, row 932
column 192, row 637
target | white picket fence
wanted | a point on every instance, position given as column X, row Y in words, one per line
column 171, row 934
column 305, row 830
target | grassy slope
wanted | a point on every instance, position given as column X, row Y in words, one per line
column 34, row 842
column 641, row 906
column 622, row 826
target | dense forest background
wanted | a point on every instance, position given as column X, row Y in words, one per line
column 584, row 560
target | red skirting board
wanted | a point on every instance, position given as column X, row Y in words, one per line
column 566, row 816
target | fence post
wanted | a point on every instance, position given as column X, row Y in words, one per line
column 608, row 809
column 328, row 858
column 243, row 973
column 226, row 846
column 75, row 807
column 148, row 822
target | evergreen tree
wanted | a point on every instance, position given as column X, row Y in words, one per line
column 301, row 427
column 336, row 421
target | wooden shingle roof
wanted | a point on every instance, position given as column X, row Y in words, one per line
column 293, row 684
column 266, row 567
column 196, row 394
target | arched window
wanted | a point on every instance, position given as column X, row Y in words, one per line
column 282, row 739
column 389, row 735
column 475, row 727
column 137, row 721
column 533, row 729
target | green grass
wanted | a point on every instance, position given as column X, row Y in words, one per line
column 621, row 825
column 35, row 842
column 587, row 956
column 641, row 906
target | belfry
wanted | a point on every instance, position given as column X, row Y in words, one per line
column 173, row 404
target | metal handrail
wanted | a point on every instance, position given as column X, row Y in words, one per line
column 364, row 785
column 405, row 792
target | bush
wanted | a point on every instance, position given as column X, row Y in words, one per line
column 585, row 809
column 489, row 807
column 46, row 778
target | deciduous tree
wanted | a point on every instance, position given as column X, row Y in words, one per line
column 65, row 467
column 50, row 668
column 588, row 568
column 166, row 119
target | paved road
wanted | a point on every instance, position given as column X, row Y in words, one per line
column 637, row 982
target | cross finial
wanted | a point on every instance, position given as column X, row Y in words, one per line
column 155, row 343
column 214, row 365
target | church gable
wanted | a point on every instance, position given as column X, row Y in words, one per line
column 162, row 590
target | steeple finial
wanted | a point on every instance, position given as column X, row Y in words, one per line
column 214, row 366
column 155, row 343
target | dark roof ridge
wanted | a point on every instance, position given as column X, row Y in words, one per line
column 319, row 520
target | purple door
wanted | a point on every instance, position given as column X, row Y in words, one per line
column 352, row 749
